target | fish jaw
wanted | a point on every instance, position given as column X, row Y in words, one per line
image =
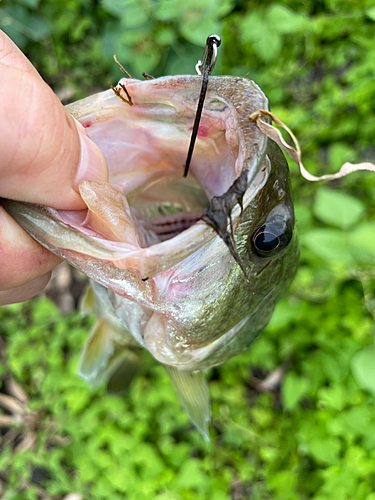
column 202, row 318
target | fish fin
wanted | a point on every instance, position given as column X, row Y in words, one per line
column 97, row 352
column 192, row 391
column 87, row 303
column 126, row 369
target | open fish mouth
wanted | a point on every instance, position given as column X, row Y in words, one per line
column 148, row 217
column 145, row 143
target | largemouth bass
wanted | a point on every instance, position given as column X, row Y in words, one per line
column 188, row 268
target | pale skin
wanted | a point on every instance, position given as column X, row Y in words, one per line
column 44, row 154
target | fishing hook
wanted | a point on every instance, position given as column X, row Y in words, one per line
column 206, row 65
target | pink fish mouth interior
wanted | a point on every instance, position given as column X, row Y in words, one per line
column 145, row 146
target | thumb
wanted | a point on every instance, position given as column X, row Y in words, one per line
column 44, row 152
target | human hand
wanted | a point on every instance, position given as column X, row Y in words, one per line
column 44, row 154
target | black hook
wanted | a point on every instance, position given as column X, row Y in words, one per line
column 207, row 65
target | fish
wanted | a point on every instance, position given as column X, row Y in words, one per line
column 188, row 268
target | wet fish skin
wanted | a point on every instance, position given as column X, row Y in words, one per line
column 199, row 311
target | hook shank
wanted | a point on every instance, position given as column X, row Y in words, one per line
column 207, row 64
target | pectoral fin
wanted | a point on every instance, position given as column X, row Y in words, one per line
column 102, row 358
column 126, row 369
column 87, row 303
column 192, row 391
column 97, row 352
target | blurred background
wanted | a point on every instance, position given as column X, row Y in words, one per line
column 311, row 433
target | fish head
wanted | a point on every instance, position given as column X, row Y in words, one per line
column 193, row 266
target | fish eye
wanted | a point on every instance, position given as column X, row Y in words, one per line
column 266, row 239
column 272, row 237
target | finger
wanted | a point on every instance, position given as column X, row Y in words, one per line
column 24, row 292
column 10, row 55
column 22, row 258
column 43, row 156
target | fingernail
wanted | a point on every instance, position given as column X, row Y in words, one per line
column 92, row 165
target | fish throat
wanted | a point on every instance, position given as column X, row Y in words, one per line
column 165, row 207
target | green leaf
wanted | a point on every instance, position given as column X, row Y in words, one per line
column 181, row 65
column 166, row 36
column 134, row 17
column 284, row 20
column 325, row 450
column 115, row 7
column 191, row 475
column 18, row 23
column 37, row 29
column 359, row 463
column 194, row 28
column 337, row 208
column 33, row 4
column 371, row 13
column 363, row 237
column 293, row 389
column 266, row 42
column 76, row 399
column 145, row 59
column 340, row 152
column 252, row 28
column 358, row 420
column 329, row 244
column 363, row 369
column 223, row 7
column 333, row 397
column 268, row 47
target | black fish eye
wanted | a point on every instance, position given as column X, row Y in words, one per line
column 272, row 237
column 266, row 239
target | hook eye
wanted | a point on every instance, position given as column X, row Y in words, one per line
column 209, row 55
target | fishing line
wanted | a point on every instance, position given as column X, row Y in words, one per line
column 207, row 65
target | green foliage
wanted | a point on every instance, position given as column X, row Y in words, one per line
column 265, row 29
column 363, row 368
column 318, row 444
column 337, row 208
column 315, row 61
